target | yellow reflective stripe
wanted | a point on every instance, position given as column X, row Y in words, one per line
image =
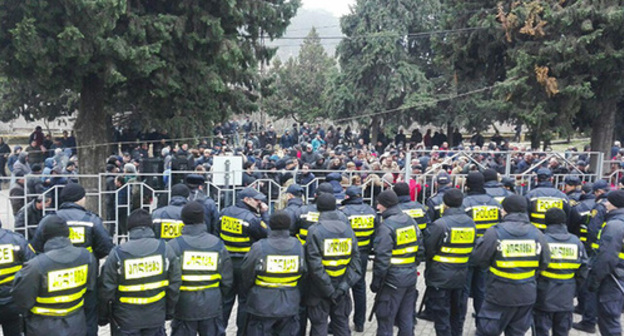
column 56, row 312
column 303, row 232
column 621, row 255
column 484, row 226
column 144, row 287
column 539, row 226
column 336, row 273
column 450, row 260
column 564, row 265
column 90, row 249
column 364, row 233
column 518, row 263
column 279, row 280
column 339, row 262
column 514, row 276
column 32, row 248
column 422, row 226
column 583, row 230
column 401, row 261
column 197, row 288
column 142, row 301
column 302, row 241
column 275, row 285
column 595, row 246
column 557, row 276
column 208, row 277
column 457, row 250
column 237, row 249
column 11, row 270
column 235, row 239
column 62, row 299
column 538, row 215
column 364, row 243
column 406, row 250
column 9, row 279
column 583, row 239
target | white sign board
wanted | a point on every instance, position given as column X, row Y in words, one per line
column 219, row 167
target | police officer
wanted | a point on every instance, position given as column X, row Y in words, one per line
column 53, row 288
column 493, row 187
column 606, row 276
column 557, row 284
column 240, row 226
column 486, row 212
column 196, row 183
column 167, row 221
column 308, row 214
column 294, row 194
column 85, row 230
column 448, row 246
column 512, row 251
column 271, row 272
column 543, row 197
column 363, row 220
column 412, row 208
column 14, row 252
column 140, row 282
column 580, row 214
column 589, row 300
column 333, row 261
column 207, row 275
column 572, row 189
column 434, row 203
column 398, row 252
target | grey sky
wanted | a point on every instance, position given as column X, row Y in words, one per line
column 337, row 7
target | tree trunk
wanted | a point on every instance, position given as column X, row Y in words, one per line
column 93, row 129
column 535, row 140
column 602, row 131
column 449, row 135
column 375, row 129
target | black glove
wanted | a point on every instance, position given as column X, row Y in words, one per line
column 337, row 296
column 375, row 286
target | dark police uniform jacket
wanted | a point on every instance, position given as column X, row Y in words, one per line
column 448, row 248
column 14, row 252
column 211, row 213
column 363, row 220
column 597, row 221
column 542, row 198
column 610, row 256
column 52, row 288
column 306, row 216
column 398, row 250
column 168, row 220
column 85, row 230
column 272, row 273
column 434, row 204
column 207, row 273
column 332, row 257
column 556, row 285
column 142, row 280
column 291, row 208
column 496, row 190
column 580, row 215
column 240, row 226
column 415, row 210
column 484, row 210
column 513, row 251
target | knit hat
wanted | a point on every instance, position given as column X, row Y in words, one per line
column 555, row 216
column 616, row 198
column 280, row 220
column 326, row 202
column 54, row 226
column 193, row 213
column 453, row 198
column 401, row 189
column 72, row 192
column 490, row 175
column 515, row 204
column 388, row 198
column 138, row 218
column 475, row 181
column 180, row 190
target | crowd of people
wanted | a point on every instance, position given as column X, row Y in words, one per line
column 523, row 254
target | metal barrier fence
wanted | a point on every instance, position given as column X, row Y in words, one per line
column 114, row 200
